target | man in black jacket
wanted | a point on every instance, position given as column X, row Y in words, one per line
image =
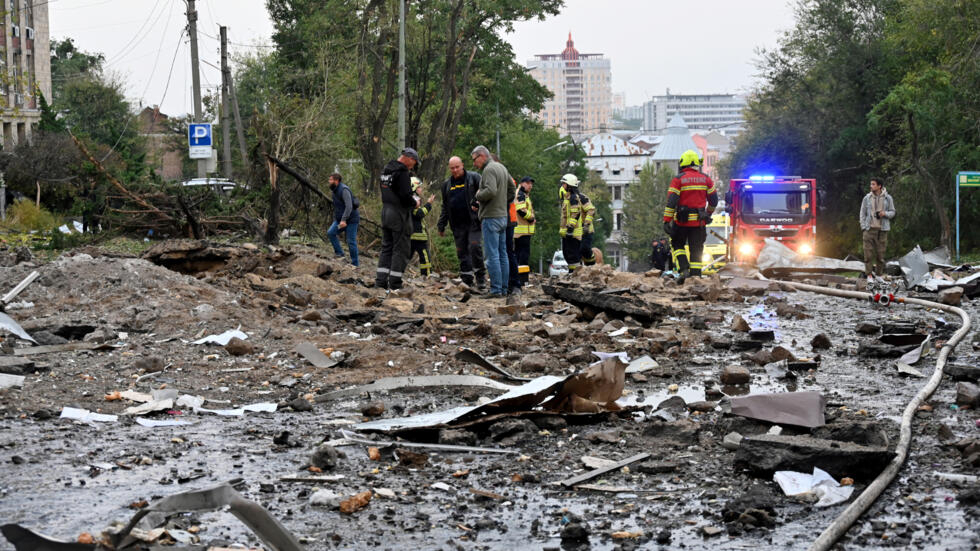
column 459, row 210
column 397, row 202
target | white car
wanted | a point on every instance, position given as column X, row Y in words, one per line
column 221, row 185
column 558, row 265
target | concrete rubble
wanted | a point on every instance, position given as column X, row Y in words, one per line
column 609, row 409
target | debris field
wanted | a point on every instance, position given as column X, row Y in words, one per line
column 600, row 410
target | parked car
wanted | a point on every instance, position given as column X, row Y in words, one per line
column 220, row 185
column 558, row 265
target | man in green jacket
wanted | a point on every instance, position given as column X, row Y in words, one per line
column 496, row 193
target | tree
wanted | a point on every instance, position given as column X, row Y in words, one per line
column 454, row 57
column 643, row 211
column 69, row 64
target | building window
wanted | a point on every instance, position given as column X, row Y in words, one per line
column 619, row 222
column 617, row 193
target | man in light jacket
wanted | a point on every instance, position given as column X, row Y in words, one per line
column 877, row 211
column 496, row 192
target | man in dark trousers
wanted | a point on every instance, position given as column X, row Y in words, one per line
column 397, row 202
column 420, row 234
column 660, row 257
column 524, row 229
column 691, row 199
column 345, row 218
column 459, row 211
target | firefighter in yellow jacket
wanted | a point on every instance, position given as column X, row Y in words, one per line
column 588, row 229
column 571, row 222
column 524, row 229
column 420, row 237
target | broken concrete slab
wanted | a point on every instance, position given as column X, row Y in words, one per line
column 68, row 347
column 735, row 375
column 17, row 366
column 967, row 394
column 951, row 296
column 312, row 354
column 777, row 258
column 803, row 409
column 11, row 381
column 616, row 305
column 765, row 454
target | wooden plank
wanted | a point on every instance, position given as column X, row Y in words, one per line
column 16, row 366
column 53, row 348
column 596, row 472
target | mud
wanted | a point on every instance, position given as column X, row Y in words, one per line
column 63, row 478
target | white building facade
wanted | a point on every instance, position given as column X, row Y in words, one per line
column 582, row 88
column 721, row 112
column 618, row 163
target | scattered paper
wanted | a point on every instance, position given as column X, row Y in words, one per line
column 266, row 407
column 155, row 405
column 828, row 491
column 151, row 423
column 87, row 416
column 224, row 338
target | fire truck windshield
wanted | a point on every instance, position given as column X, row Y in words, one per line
column 794, row 202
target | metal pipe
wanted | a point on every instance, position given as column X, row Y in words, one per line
column 861, row 504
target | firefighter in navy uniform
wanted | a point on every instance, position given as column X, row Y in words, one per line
column 397, row 202
column 420, row 237
column 588, row 229
column 691, row 199
column 524, row 229
column 570, row 229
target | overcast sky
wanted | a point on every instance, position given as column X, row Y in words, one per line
column 689, row 47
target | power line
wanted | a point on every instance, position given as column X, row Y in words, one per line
column 172, row 63
column 129, row 49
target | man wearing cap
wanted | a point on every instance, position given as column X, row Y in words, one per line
column 397, row 202
column 495, row 193
column 459, row 211
column 524, row 229
column 420, row 237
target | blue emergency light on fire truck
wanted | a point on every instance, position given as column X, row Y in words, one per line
column 778, row 207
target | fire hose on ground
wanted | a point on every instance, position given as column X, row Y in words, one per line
column 870, row 494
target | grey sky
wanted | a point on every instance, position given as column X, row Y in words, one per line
column 689, row 47
column 707, row 46
column 140, row 37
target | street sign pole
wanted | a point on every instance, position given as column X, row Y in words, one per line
column 963, row 179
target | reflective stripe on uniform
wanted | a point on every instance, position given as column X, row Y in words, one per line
column 420, row 237
column 395, row 274
column 694, row 188
column 383, row 270
column 523, row 269
column 677, row 254
column 696, row 265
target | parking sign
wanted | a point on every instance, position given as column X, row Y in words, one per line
column 199, row 140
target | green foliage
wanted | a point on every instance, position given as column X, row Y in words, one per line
column 25, row 216
column 643, row 211
column 443, row 251
column 885, row 88
column 69, row 64
column 596, row 189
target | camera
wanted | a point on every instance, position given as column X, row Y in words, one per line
column 877, row 215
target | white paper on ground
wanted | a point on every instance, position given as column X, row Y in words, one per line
column 151, row 423
column 193, row 402
column 820, row 484
column 603, row 356
column 267, row 407
column 134, row 396
column 618, row 332
column 155, row 405
column 224, row 338
column 86, row 415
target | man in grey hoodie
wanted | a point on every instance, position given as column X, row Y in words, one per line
column 877, row 210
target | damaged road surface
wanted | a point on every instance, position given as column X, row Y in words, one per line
column 603, row 410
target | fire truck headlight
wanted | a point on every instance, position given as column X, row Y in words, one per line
column 806, row 248
column 746, row 249
column 706, row 258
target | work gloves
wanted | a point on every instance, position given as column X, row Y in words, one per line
column 669, row 228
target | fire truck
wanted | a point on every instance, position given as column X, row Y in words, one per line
column 778, row 207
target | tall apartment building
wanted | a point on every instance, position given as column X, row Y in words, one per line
column 25, row 59
column 582, row 88
column 721, row 112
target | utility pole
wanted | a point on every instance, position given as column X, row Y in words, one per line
column 401, row 74
column 3, row 198
column 225, row 117
column 238, row 120
column 202, row 164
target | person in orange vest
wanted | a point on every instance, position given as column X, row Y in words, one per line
column 691, row 199
column 513, row 277
column 524, row 229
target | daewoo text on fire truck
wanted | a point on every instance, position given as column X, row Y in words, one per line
column 778, row 207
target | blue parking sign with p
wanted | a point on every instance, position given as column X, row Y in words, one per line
column 199, row 134
column 199, row 140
